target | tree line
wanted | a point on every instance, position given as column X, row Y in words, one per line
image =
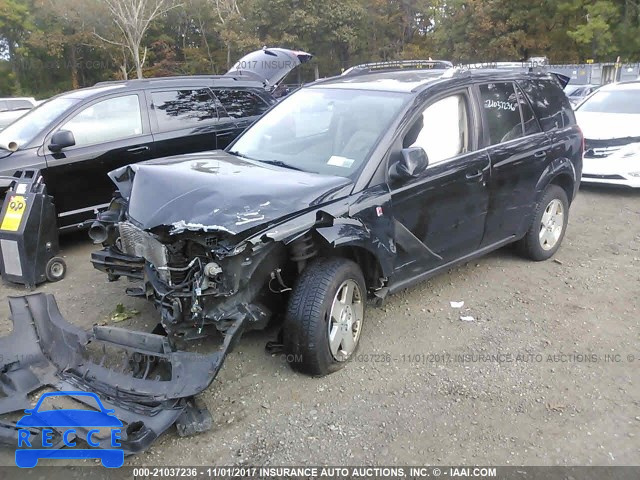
column 49, row 46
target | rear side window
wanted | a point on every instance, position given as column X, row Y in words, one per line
column 241, row 103
column 501, row 109
column 177, row 109
column 550, row 103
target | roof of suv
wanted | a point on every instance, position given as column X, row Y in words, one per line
column 187, row 81
column 416, row 80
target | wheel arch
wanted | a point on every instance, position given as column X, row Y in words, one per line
column 559, row 172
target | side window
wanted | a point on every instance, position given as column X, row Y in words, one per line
column 500, row 106
column 241, row 103
column 112, row 119
column 442, row 130
column 529, row 119
column 177, row 109
column 549, row 102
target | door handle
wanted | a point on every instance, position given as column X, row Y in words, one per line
column 540, row 154
column 477, row 175
column 140, row 149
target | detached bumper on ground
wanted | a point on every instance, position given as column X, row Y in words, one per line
column 150, row 386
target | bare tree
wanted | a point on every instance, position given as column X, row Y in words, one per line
column 227, row 10
column 133, row 18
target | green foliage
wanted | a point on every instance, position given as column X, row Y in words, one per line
column 48, row 46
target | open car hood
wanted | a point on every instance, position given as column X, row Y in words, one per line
column 219, row 192
column 269, row 65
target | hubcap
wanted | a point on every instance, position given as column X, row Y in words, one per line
column 345, row 322
column 56, row 269
column 551, row 224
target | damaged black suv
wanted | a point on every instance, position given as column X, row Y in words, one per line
column 349, row 189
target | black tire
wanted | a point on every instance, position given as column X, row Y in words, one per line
column 56, row 269
column 307, row 321
column 532, row 246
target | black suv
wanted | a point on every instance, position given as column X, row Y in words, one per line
column 349, row 189
column 77, row 137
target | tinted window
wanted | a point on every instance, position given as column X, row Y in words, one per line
column 529, row 120
column 613, row 101
column 500, row 105
column 177, row 109
column 106, row 121
column 241, row 103
column 442, row 130
column 549, row 102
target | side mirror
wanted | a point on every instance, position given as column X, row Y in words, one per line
column 413, row 162
column 61, row 139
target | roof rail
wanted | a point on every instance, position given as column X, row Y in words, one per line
column 398, row 65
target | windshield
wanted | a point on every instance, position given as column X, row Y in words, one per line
column 613, row 101
column 327, row 131
column 27, row 127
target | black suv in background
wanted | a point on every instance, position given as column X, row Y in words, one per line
column 350, row 188
column 77, row 137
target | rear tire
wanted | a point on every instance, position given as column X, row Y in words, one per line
column 548, row 227
column 324, row 318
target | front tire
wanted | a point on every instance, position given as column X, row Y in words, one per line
column 549, row 225
column 325, row 314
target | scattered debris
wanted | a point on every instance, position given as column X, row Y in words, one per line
column 559, row 262
column 456, row 304
column 467, row 318
column 120, row 314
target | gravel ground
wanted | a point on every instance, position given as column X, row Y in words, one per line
column 546, row 373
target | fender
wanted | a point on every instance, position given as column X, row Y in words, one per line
column 559, row 166
column 346, row 232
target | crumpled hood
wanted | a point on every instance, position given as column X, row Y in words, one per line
column 216, row 191
column 605, row 126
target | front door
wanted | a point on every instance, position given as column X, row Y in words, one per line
column 109, row 133
column 440, row 215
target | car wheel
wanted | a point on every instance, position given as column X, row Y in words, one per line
column 548, row 227
column 324, row 318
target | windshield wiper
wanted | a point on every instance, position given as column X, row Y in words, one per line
column 279, row 163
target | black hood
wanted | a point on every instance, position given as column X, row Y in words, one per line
column 216, row 191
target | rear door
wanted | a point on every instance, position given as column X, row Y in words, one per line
column 110, row 132
column 440, row 216
column 184, row 120
column 241, row 108
column 519, row 152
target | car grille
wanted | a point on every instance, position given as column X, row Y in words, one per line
column 604, row 148
column 138, row 243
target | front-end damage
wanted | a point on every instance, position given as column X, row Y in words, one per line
column 211, row 251
column 149, row 385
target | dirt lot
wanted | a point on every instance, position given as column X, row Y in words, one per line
column 536, row 387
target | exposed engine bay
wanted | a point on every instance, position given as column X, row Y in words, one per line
column 204, row 267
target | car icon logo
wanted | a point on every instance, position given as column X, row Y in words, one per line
column 70, row 425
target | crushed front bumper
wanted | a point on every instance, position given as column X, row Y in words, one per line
column 44, row 350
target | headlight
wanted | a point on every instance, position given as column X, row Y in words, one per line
column 634, row 174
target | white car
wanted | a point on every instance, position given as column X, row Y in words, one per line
column 13, row 108
column 610, row 121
